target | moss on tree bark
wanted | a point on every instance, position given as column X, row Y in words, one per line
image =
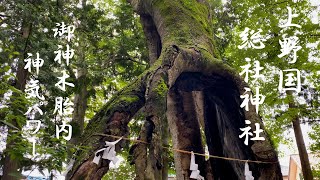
column 188, row 62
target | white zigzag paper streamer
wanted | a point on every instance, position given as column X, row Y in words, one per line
column 108, row 152
column 195, row 173
column 247, row 172
column 69, row 167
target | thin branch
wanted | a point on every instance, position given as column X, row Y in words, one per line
column 130, row 59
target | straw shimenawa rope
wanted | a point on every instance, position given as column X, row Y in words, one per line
column 187, row 152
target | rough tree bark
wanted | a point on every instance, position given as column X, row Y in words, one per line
column 149, row 160
column 113, row 119
column 80, row 105
column 303, row 154
column 187, row 63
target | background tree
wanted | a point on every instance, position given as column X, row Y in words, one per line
column 280, row 110
column 87, row 71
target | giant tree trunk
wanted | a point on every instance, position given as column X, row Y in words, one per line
column 112, row 119
column 187, row 63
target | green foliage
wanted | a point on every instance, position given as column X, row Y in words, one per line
column 314, row 135
column 230, row 19
column 125, row 171
column 316, row 172
column 109, row 47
